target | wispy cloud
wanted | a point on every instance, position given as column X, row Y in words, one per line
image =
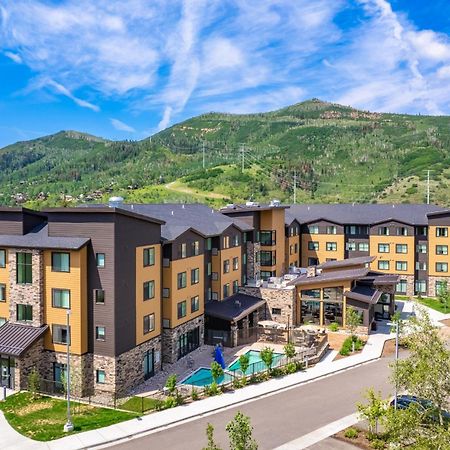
column 14, row 57
column 122, row 126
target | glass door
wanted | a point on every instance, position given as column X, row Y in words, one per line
column 149, row 364
column 5, row 372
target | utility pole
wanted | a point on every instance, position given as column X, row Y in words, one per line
column 203, row 150
column 396, row 361
column 295, row 187
column 428, row 187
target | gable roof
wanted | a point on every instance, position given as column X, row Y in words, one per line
column 16, row 338
column 347, row 262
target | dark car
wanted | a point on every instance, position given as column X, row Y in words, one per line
column 425, row 406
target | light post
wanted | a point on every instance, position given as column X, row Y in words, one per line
column 396, row 361
column 68, row 427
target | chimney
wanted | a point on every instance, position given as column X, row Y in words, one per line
column 311, row 271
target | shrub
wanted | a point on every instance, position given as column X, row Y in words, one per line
column 277, row 372
column 347, row 345
column 160, row 405
column 170, row 402
column 237, row 383
column 377, row 444
column 334, row 326
column 216, row 371
column 255, row 378
column 289, row 350
column 267, row 357
column 194, row 394
column 34, row 383
column 290, row 367
column 212, row 389
column 351, row 433
column 171, row 384
column 244, row 362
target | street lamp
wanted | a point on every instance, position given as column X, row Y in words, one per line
column 68, row 426
column 396, row 361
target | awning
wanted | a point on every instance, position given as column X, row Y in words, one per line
column 364, row 294
column 15, row 338
column 234, row 308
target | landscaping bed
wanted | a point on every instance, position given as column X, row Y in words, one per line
column 358, row 438
column 42, row 418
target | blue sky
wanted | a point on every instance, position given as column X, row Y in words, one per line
column 126, row 69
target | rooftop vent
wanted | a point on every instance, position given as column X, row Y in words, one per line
column 115, row 202
column 251, row 204
column 275, row 202
column 230, row 205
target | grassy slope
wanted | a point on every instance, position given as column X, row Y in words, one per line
column 340, row 155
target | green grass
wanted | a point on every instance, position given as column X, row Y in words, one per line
column 432, row 303
column 140, row 404
column 42, row 419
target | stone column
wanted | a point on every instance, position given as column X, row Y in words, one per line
column 234, row 334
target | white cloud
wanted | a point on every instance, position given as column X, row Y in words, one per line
column 122, row 126
column 14, row 57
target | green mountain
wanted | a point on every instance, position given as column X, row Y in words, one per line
column 330, row 152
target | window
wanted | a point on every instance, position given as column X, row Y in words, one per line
column 226, row 242
column 421, row 248
column 383, row 265
column 2, row 321
column 214, row 296
column 266, row 274
column 181, row 280
column 99, row 295
column 421, row 286
column 209, row 269
column 331, row 230
column 195, row 276
column 189, row 341
column 244, row 259
column 235, row 263
column 363, row 246
column 149, row 256
column 441, row 267
column 195, row 303
column 100, row 376
column 226, row 266
column 401, row 287
column 276, row 311
column 181, row 309
column 166, row 293
column 401, row 248
column 60, row 262
column 383, row 248
column 313, row 229
column 149, row 290
column 24, row 313
column 383, row 231
column 440, row 286
column 313, row 261
column 100, row 333
column 149, row 323
column 100, row 258
column 60, row 334
column 208, row 244
column 226, row 290
column 148, row 364
column 356, row 229
column 195, row 248
column 401, row 265
column 2, row 292
column 421, row 265
column 331, row 246
column 441, row 232
column 313, row 245
column 2, row 258
column 235, row 286
column 182, row 249
column 59, row 374
column 421, row 231
column 236, row 240
column 61, row 298
column 214, row 276
column 24, row 268
column 351, row 246
column 441, row 249
column 267, row 258
column 402, row 231
column 267, row 238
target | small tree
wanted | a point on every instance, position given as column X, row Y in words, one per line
column 267, row 357
column 244, row 362
column 34, row 383
column 444, row 295
column 373, row 410
column 216, row 371
column 352, row 320
column 210, row 436
column 289, row 350
column 240, row 433
column 171, row 384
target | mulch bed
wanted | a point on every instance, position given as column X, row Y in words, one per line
column 361, row 441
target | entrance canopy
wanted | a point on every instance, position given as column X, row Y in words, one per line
column 234, row 308
column 15, row 338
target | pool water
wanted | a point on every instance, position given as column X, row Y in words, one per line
column 203, row 377
column 256, row 363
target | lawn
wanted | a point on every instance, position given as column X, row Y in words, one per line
column 140, row 404
column 433, row 303
column 43, row 418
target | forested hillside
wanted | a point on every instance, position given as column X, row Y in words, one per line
column 332, row 153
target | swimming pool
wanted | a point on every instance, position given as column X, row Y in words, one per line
column 202, row 377
column 256, row 363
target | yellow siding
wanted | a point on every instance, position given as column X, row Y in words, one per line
column 392, row 256
column 151, row 306
column 322, row 254
column 274, row 219
column 232, row 275
column 432, row 257
column 4, row 279
column 76, row 282
column 170, row 280
column 295, row 257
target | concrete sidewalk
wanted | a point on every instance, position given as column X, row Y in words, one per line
column 156, row 421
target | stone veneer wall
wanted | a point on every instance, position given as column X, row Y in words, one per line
column 409, row 284
column 432, row 284
column 170, row 338
column 253, row 266
column 28, row 294
column 283, row 299
column 31, row 359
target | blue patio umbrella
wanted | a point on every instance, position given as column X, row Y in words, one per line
column 218, row 356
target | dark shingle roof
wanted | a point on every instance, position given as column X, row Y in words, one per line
column 364, row 294
column 233, row 308
column 364, row 214
column 39, row 238
column 336, row 275
column 347, row 262
column 16, row 338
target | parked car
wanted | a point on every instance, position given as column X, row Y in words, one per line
column 424, row 405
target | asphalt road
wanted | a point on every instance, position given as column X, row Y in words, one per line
column 279, row 418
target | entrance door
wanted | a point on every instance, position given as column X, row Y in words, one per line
column 5, row 372
column 149, row 364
